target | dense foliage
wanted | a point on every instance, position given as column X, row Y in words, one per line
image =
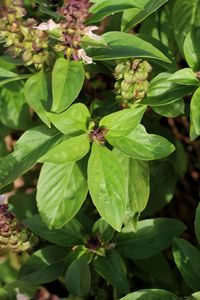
column 90, row 153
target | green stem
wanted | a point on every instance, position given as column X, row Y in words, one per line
column 114, row 294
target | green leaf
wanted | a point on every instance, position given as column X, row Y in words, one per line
column 67, row 81
column 61, row 190
column 4, row 294
column 8, row 273
column 163, row 179
column 73, row 120
column 184, row 76
column 111, row 268
column 107, row 185
column 14, row 112
column 185, row 14
column 195, row 296
column 78, row 277
column 179, row 159
column 136, row 173
column 125, row 45
column 162, row 91
column 152, row 236
column 33, row 144
column 121, row 123
column 187, row 259
column 171, row 110
column 23, row 205
column 153, row 294
column 66, row 236
column 103, row 230
column 195, row 112
column 23, row 286
column 161, row 30
column 191, row 48
column 6, row 73
column 73, row 149
column 44, row 265
column 141, row 145
column 156, row 41
column 12, row 79
column 197, row 223
column 87, row 41
column 43, row 9
column 36, row 94
column 132, row 17
column 157, row 269
column 105, row 8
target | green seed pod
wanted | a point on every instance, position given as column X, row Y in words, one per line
column 117, row 85
column 145, row 86
column 27, row 46
column 125, row 86
column 132, row 84
column 118, row 98
column 146, row 66
column 142, row 86
column 39, row 59
column 139, row 86
column 135, row 64
column 141, row 75
column 138, row 94
column 13, row 234
column 10, row 39
column 128, row 64
column 27, row 56
column 59, row 48
column 24, row 30
column 120, row 68
column 127, row 95
column 129, row 76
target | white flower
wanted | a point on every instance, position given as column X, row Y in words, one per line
column 82, row 55
column 20, row 296
column 88, row 31
column 50, row 25
column 2, row 199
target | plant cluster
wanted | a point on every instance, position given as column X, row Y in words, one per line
column 131, row 81
column 90, row 152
